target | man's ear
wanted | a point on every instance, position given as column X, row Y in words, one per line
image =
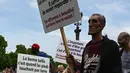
column 102, row 26
column 127, row 39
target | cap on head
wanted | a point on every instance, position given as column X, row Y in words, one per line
column 35, row 46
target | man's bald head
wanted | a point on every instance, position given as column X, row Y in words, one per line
column 124, row 35
column 123, row 38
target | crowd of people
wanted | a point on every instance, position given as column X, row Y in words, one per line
column 9, row 69
column 101, row 54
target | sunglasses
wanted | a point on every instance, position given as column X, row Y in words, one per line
column 92, row 20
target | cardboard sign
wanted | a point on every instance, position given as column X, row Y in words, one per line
column 32, row 64
column 76, row 49
column 58, row 13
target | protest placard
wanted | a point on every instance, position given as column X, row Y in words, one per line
column 58, row 13
column 76, row 49
column 32, row 64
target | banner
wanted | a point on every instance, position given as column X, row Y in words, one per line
column 58, row 13
column 76, row 49
column 32, row 64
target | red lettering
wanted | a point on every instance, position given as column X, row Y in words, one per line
column 58, row 21
column 53, row 18
column 50, row 24
column 67, row 12
column 68, row 17
column 62, row 19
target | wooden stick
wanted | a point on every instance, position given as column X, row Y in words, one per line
column 64, row 41
column 66, row 46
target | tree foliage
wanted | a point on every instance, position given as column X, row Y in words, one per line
column 28, row 51
column 21, row 49
column 3, row 45
column 10, row 59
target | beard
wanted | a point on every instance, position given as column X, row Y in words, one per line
column 94, row 32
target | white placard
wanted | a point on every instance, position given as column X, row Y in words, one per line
column 32, row 64
column 58, row 13
column 76, row 49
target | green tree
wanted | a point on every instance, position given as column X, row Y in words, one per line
column 29, row 51
column 3, row 45
column 13, row 57
column 7, row 60
column 20, row 49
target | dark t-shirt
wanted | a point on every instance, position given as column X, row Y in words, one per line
column 91, row 57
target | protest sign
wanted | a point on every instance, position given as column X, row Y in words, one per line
column 58, row 13
column 76, row 49
column 32, row 64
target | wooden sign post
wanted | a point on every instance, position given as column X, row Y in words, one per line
column 57, row 14
column 66, row 46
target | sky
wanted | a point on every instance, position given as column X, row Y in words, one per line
column 20, row 22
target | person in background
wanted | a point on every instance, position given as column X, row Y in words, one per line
column 4, row 71
column 67, row 70
column 124, row 43
column 7, row 70
column 60, row 69
column 11, row 70
column 35, row 49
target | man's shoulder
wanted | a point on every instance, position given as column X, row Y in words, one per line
column 42, row 54
column 109, row 41
column 112, row 42
column 111, row 45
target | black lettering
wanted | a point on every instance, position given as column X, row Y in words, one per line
column 49, row 3
column 43, row 12
column 44, row 66
column 31, row 64
column 24, row 58
column 36, row 70
column 26, row 68
column 43, row 71
column 50, row 9
column 38, row 65
column 32, row 59
column 76, row 46
column 79, row 55
column 41, row 60
column 22, row 63
column 58, row 5
column 41, row 2
column 69, row 45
